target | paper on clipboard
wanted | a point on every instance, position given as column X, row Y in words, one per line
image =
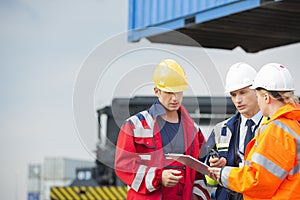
column 190, row 161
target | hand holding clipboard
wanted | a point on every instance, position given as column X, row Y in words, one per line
column 190, row 162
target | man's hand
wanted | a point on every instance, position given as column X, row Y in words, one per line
column 215, row 173
column 217, row 162
column 170, row 177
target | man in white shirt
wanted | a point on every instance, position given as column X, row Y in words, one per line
column 231, row 136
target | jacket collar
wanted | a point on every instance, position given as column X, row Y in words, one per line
column 231, row 123
column 157, row 109
column 288, row 111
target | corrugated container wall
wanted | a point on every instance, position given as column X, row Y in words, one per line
column 174, row 14
column 63, row 168
column 152, row 12
column 34, row 182
column 59, row 171
column 34, row 178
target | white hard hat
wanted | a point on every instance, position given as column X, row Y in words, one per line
column 274, row 77
column 240, row 75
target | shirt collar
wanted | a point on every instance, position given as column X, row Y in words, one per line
column 256, row 118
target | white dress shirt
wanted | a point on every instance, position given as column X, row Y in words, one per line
column 243, row 130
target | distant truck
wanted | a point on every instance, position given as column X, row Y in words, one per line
column 100, row 182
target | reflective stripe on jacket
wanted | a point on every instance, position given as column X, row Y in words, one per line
column 272, row 169
column 223, row 138
column 140, row 157
column 218, row 139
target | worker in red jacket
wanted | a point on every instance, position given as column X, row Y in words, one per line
column 146, row 138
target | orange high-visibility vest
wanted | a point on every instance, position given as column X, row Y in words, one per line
column 272, row 168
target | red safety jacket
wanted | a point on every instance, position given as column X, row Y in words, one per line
column 140, row 159
column 272, row 168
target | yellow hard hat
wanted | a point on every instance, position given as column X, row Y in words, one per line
column 169, row 76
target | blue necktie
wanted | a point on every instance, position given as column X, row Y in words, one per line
column 249, row 134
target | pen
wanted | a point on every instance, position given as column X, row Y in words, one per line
column 214, row 154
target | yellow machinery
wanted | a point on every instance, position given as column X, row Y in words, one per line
column 88, row 193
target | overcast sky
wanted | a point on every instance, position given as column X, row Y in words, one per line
column 46, row 46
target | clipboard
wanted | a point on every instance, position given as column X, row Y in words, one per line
column 190, row 162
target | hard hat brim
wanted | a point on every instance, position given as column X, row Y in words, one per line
column 237, row 88
column 173, row 89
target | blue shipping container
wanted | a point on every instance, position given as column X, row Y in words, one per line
column 254, row 25
column 174, row 14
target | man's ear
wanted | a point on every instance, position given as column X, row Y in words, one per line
column 156, row 91
column 267, row 98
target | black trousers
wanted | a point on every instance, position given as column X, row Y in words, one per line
column 234, row 195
